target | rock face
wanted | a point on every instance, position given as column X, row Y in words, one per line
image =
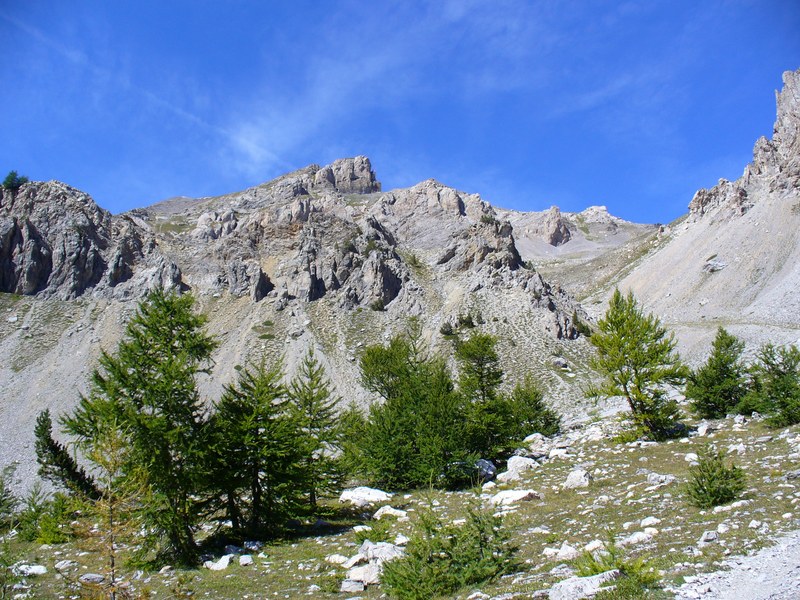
column 56, row 242
column 552, row 228
column 736, row 257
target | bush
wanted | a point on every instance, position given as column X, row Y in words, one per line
column 8, row 502
column 45, row 520
column 442, row 558
column 13, row 181
column 712, row 482
column 637, row 574
column 718, row 387
column 775, row 385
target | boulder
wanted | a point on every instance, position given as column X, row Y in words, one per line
column 388, row 511
column 364, row 496
column 579, row 478
column 582, row 587
column 517, row 466
column 509, row 497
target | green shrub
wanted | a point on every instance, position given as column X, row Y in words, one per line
column 712, row 482
column 717, row 387
column 45, row 520
column 379, row 531
column 488, row 219
column 8, row 502
column 775, row 385
column 637, row 574
column 442, row 558
column 378, row 305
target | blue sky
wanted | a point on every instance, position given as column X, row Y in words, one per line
column 634, row 105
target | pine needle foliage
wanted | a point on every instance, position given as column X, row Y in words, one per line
column 713, row 482
column 637, row 358
column 257, row 452
column 442, row 558
column 775, row 385
column 312, row 406
column 718, row 386
column 149, row 389
column 416, row 430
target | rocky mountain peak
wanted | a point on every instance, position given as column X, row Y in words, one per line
column 775, row 166
column 348, row 176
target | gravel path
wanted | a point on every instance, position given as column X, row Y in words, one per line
column 770, row 574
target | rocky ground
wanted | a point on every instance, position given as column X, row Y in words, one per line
column 559, row 498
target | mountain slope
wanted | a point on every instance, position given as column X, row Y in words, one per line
column 735, row 259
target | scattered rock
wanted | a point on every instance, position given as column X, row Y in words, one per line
column 581, row 587
column 579, row 478
column 219, row 565
column 362, row 497
column 517, row 466
column 31, row 570
column 509, row 497
column 245, row 560
column 388, row 511
column 91, row 578
column 349, row 585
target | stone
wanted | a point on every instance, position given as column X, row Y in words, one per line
column 362, row 497
column 737, row 448
column 369, row 574
column 575, row 588
column 31, row 570
column 380, row 551
column 388, row 511
column 567, row 552
column 349, row 585
column 659, row 480
column 636, row 538
column 245, row 560
column 578, row 478
column 509, row 497
column 516, row 467
column 219, row 565
column 649, row 522
column 708, row 537
column 690, row 457
column 91, row 578
column 336, row 559
column 401, row 540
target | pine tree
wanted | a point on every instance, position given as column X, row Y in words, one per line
column 717, row 387
column 775, row 385
column 529, row 413
column 56, row 464
column 488, row 413
column 636, row 356
column 258, row 450
column 313, row 408
column 148, row 387
column 410, row 438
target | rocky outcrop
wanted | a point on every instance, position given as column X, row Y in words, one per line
column 348, row 176
column 486, row 244
column 552, row 228
column 775, row 166
column 56, row 242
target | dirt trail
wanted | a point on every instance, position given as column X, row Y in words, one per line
column 770, row 574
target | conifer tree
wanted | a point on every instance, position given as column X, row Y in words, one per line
column 637, row 358
column 717, row 387
column 56, row 464
column 313, row 408
column 258, row 450
column 148, row 387
column 410, row 438
column 480, row 375
column 775, row 385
